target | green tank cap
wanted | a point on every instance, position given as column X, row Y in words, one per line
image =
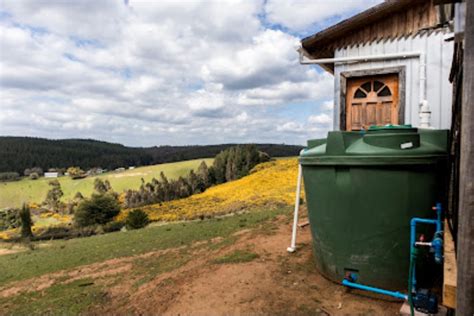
column 392, row 129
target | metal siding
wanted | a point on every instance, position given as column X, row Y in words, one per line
column 438, row 61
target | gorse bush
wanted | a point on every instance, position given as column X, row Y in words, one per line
column 136, row 219
column 99, row 209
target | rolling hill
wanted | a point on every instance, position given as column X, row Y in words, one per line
column 20, row 153
column 13, row 194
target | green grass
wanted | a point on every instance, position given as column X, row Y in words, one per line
column 13, row 194
column 60, row 299
column 67, row 254
column 237, row 256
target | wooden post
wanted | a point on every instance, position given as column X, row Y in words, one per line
column 450, row 269
column 465, row 240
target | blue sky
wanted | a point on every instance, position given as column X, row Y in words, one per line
column 148, row 73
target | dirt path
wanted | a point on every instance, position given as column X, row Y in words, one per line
column 274, row 283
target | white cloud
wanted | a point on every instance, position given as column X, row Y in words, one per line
column 149, row 73
column 320, row 119
column 328, row 105
column 298, row 15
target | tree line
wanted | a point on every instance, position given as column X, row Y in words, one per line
column 17, row 154
column 230, row 164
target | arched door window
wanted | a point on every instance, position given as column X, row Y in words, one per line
column 372, row 101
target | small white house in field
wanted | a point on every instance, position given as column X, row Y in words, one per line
column 131, row 167
column 391, row 65
column 51, row 174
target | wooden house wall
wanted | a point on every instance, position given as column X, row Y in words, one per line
column 438, row 63
column 421, row 15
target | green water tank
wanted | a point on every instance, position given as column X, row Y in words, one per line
column 362, row 189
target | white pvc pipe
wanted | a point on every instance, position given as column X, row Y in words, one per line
column 292, row 247
column 304, row 61
column 424, row 111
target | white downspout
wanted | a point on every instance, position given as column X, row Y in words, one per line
column 424, row 109
column 292, row 247
column 425, row 112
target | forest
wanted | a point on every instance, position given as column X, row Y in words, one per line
column 20, row 153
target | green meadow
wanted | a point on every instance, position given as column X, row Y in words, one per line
column 13, row 194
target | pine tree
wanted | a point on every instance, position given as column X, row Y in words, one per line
column 26, row 222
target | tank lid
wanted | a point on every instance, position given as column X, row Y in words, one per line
column 396, row 144
column 392, row 129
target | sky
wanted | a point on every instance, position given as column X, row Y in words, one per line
column 146, row 73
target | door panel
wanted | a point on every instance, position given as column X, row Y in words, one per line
column 372, row 100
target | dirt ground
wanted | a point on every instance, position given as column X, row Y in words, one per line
column 273, row 283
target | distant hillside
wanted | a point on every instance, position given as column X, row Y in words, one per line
column 20, row 153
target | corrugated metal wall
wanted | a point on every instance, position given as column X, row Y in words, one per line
column 438, row 64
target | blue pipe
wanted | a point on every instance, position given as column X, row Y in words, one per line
column 439, row 224
column 374, row 289
column 437, row 242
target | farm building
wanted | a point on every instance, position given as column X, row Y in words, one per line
column 402, row 62
column 391, row 65
column 51, row 174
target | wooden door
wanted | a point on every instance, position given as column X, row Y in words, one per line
column 372, row 100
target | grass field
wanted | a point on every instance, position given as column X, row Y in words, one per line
column 13, row 194
column 76, row 296
column 65, row 254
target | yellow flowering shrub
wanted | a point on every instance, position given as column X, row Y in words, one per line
column 269, row 184
column 7, row 234
column 33, row 205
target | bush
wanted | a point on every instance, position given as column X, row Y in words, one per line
column 37, row 170
column 100, row 209
column 55, row 232
column 9, row 176
column 113, row 226
column 136, row 219
column 9, row 218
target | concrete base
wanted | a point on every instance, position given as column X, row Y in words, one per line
column 405, row 311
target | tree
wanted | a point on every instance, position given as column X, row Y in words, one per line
column 29, row 171
column 195, row 183
column 26, row 222
column 75, row 172
column 166, row 187
column 99, row 209
column 53, row 197
column 78, row 197
column 9, row 176
column 203, row 174
column 102, row 187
